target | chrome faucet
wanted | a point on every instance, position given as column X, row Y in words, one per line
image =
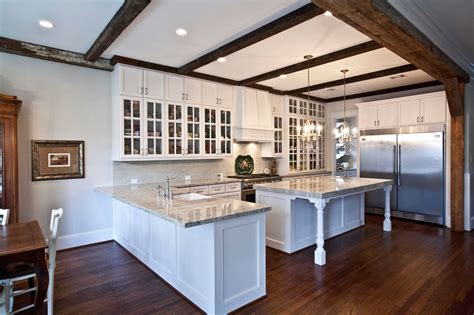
column 340, row 167
column 167, row 192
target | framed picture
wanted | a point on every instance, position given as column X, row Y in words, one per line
column 59, row 159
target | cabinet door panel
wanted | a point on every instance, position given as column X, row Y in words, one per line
column 132, row 81
column 131, row 125
column 251, row 108
column 226, row 95
column 154, row 84
column 387, row 115
column 367, row 117
column 433, row 110
column 209, row 93
column 139, row 228
column 409, row 112
column 265, row 117
column 174, row 88
column 277, row 104
column 193, row 91
column 122, row 220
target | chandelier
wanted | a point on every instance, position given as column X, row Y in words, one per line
column 311, row 130
column 344, row 133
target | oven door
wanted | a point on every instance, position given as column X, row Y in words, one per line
column 248, row 195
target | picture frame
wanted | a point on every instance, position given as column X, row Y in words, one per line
column 57, row 159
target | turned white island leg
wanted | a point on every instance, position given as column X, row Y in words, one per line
column 320, row 253
column 387, row 224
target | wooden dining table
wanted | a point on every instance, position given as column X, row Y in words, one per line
column 24, row 242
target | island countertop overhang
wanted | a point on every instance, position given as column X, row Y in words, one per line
column 325, row 187
column 184, row 213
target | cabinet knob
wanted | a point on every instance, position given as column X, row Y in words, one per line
column 182, row 96
column 378, row 122
column 418, row 119
column 217, row 100
column 146, row 91
column 422, row 118
column 375, row 123
column 187, row 96
column 141, row 90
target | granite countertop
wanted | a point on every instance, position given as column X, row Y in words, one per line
column 317, row 173
column 324, row 186
column 184, row 213
column 204, row 182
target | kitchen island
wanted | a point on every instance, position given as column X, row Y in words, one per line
column 294, row 224
column 211, row 250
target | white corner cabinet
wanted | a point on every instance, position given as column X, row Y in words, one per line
column 254, row 115
column 158, row 116
column 404, row 111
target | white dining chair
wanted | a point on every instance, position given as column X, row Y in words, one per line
column 4, row 215
column 29, row 274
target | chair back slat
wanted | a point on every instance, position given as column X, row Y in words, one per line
column 56, row 215
column 4, row 215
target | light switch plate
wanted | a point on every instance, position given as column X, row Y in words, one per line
column 187, row 178
column 134, row 181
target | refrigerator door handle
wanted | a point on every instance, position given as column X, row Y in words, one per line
column 399, row 158
column 395, row 173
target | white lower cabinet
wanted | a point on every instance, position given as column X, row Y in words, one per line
column 219, row 266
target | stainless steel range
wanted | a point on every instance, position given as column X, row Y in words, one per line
column 248, row 180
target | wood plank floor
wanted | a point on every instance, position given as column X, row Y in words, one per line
column 416, row 269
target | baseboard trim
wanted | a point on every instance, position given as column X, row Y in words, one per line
column 81, row 239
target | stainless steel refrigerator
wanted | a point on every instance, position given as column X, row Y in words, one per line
column 414, row 159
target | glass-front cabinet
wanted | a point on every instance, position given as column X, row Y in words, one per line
column 175, row 129
column 193, row 129
column 154, row 127
column 225, row 136
column 131, row 126
column 305, row 156
column 210, row 131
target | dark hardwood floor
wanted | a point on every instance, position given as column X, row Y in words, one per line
column 416, row 269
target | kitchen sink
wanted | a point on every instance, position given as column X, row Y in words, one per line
column 189, row 197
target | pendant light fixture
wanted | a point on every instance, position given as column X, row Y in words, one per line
column 311, row 130
column 345, row 133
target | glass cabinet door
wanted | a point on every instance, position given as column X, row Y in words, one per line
column 293, row 145
column 210, row 128
column 175, row 129
column 225, row 132
column 131, row 120
column 154, row 127
column 193, row 125
column 278, row 135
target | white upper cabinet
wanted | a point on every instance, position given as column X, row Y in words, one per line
column 154, row 84
column 368, row 117
column 433, row 110
column 215, row 94
column 225, row 95
column 192, row 91
column 277, row 104
column 174, row 88
column 409, row 112
column 209, row 93
column 405, row 111
column 131, row 81
column 181, row 89
column 387, row 115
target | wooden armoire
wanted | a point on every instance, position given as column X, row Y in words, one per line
column 9, row 109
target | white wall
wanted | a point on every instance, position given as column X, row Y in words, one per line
column 63, row 102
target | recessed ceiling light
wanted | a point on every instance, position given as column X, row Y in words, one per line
column 181, row 32
column 46, row 23
column 329, row 89
column 397, row 76
column 327, row 13
column 282, row 76
column 221, row 59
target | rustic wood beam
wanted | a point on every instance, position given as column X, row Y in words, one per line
column 379, row 20
column 129, row 10
column 26, row 49
column 385, row 91
column 305, row 96
column 455, row 96
column 285, row 22
column 358, row 78
column 317, row 61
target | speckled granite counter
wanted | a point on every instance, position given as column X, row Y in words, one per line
column 204, row 182
column 324, row 186
column 186, row 213
column 306, row 174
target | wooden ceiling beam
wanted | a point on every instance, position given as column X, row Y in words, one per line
column 379, row 20
column 26, row 49
column 281, row 24
column 129, row 10
column 358, row 78
column 385, row 91
column 455, row 96
column 317, row 61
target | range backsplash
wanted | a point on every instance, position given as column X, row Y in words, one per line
column 157, row 171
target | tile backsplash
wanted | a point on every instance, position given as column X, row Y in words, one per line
column 157, row 171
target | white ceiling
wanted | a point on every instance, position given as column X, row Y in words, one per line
column 387, row 82
column 364, row 63
column 210, row 24
column 318, row 36
column 77, row 22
